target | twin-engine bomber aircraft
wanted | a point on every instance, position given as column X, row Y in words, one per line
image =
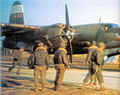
column 78, row 37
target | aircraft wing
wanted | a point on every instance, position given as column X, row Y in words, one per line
column 8, row 29
column 111, row 52
column 51, row 35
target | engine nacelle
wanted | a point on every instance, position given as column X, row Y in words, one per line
column 84, row 44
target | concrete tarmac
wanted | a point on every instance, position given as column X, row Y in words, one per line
column 111, row 78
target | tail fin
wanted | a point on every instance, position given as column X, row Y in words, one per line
column 17, row 13
column 100, row 19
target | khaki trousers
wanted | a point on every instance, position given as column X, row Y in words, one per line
column 39, row 71
column 97, row 73
column 60, row 70
column 15, row 63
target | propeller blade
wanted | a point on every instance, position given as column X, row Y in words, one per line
column 66, row 16
column 67, row 28
column 71, row 52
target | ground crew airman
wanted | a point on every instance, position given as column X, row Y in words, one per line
column 41, row 65
column 17, row 60
column 88, row 61
column 97, row 65
column 61, row 63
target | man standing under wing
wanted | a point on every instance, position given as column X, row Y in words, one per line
column 61, row 63
column 97, row 65
column 88, row 61
column 18, row 60
column 41, row 60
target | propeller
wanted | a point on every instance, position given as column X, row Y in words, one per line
column 67, row 17
column 69, row 32
column 71, row 52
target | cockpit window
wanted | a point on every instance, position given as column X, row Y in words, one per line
column 115, row 26
column 105, row 27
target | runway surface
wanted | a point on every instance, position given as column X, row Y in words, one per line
column 75, row 76
column 111, row 78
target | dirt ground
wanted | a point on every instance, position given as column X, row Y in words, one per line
column 12, row 84
column 26, row 87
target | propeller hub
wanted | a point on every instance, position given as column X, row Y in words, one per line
column 67, row 33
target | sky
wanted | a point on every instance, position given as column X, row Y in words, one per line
column 47, row 12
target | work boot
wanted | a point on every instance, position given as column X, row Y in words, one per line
column 36, row 89
column 54, row 88
column 102, row 87
column 83, row 85
column 58, row 88
column 43, row 87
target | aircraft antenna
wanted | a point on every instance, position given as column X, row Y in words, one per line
column 100, row 19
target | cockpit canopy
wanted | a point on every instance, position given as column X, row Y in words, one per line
column 108, row 26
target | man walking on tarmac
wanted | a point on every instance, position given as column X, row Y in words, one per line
column 61, row 63
column 17, row 60
column 41, row 60
column 88, row 61
column 97, row 62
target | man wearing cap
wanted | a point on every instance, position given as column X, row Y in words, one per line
column 41, row 60
column 17, row 60
column 98, row 65
column 88, row 61
column 61, row 63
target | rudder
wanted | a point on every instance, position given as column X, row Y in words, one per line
column 17, row 13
